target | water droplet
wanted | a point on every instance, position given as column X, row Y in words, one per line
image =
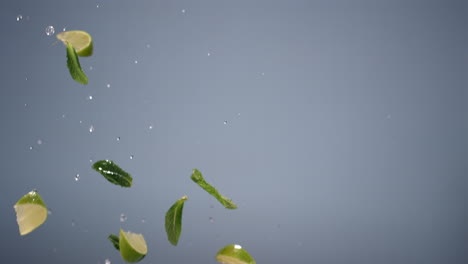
column 118, row 138
column 49, row 212
column 143, row 220
column 148, row 46
column 97, row 6
column 131, row 157
column 123, row 218
column 225, row 122
column 107, row 261
column 263, row 74
column 237, row 246
column 211, row 219
column 90, row 160
column 39, row 142
column 19, row 17
column 49, row 30
column 73, row 223
column 81, row 121
column 91, row 68
column 108, row 85
column 208, row 54
column 90, row 97
column 30, row 147
column 77, row 177
column 136, row 62
column 64, row 115
column 91, row 129
column 183, row 10
column 150, row 127
column 64, row 29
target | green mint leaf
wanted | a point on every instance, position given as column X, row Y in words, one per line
column 197, row 177
column 113, row 173
column 115, row 241
column 74, row 66
column 174, row 221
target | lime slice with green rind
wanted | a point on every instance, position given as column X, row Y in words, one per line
column 234, row 254
column 80, row 40
column 31, row 212
column 132, row 246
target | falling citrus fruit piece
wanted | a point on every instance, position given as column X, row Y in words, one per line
column 80, row 40
column 234, row 254
column 132, row 246
column 31, row 212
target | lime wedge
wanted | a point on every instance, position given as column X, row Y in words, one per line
column 31, row 212
column 80, row 40
column 132, row 246
column 234, row 254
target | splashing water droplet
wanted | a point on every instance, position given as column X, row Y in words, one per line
column 91, row 129
column 49, row 212
column 183, row 10
column 107, row 261
column 19, row 17
column 90, row 97
column 143, row 221
column 77, row 177
column 108, row 85
column 30, row 147
column 211, row 219
column 64, row 29
column 73, row 223
column 208, row 54
column 136, row 62
column 97, row 6
column 39, row 142
column 49, row 30
column 91, row 68
column 131, row 157
column 150, row 127
column 118, row 138
column 225, row 122
column 123, row 218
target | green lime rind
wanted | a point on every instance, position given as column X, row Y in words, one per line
column 86, row 52
column 128, row 253
column 174, row 221
column 234, row 254
column 197, row 177
column 73, row 64
column 31, row 197
column 114, row 240
column 113, row 173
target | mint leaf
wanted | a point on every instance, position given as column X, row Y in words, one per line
column 74, row 66
column 174, row 221
column 197, row 177
column 115, row 241
column 113, row 173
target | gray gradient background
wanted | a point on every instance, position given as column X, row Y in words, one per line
column 346, row 139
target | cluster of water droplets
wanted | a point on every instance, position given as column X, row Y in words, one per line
column 50, row 30
column 123, row 218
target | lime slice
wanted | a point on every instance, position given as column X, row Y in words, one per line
column 234, row 254
column 80, row 40
column 31, row 212
column 132, row 246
